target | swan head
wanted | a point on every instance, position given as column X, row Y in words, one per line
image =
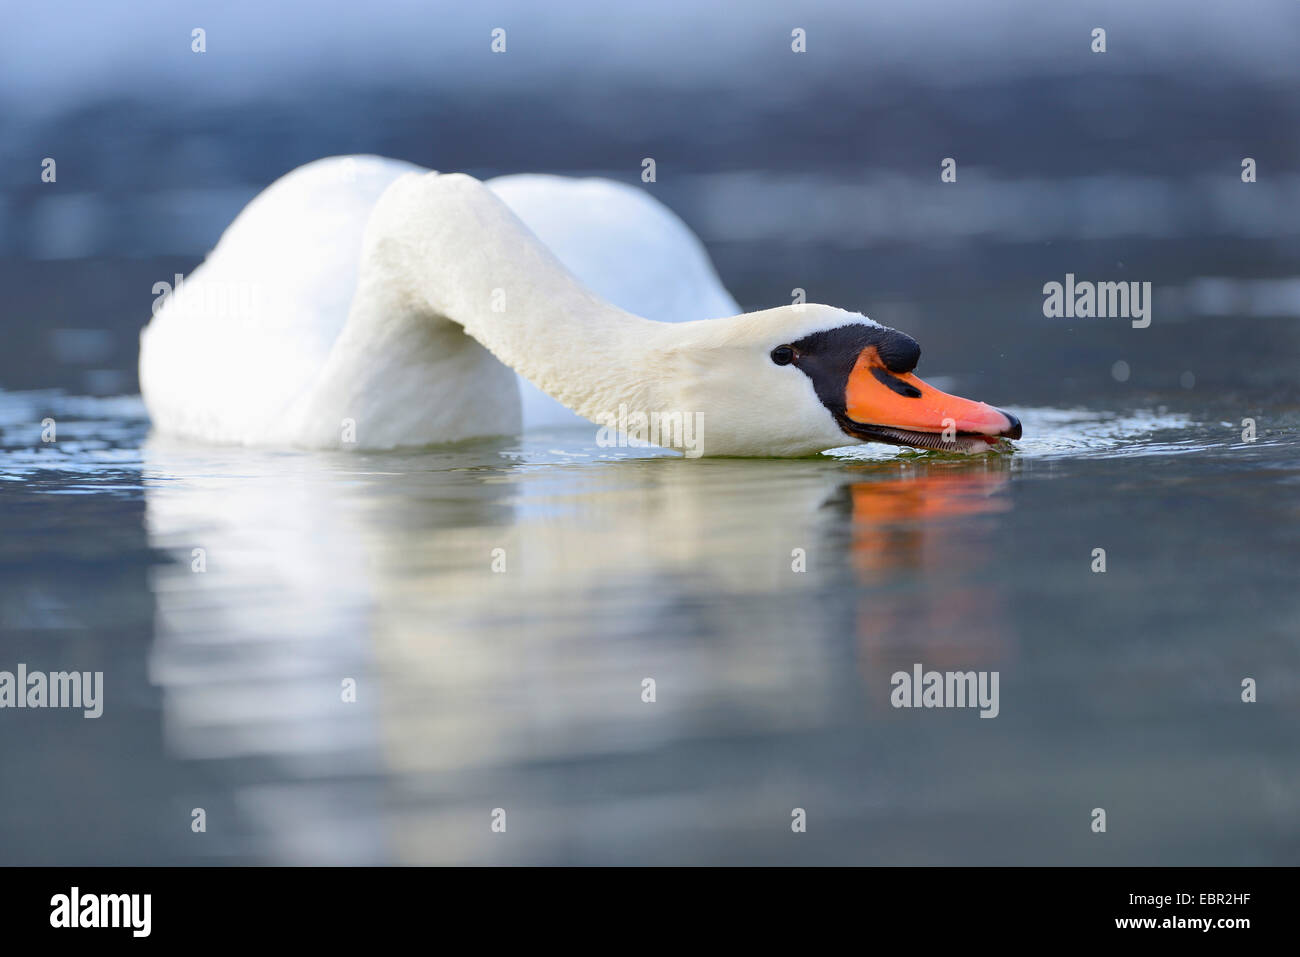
column 804, row 378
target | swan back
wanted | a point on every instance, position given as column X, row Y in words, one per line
column 248, row 332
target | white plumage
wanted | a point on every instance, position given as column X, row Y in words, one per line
column 234, row 355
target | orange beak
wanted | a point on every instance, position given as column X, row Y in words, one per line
column 893, row 404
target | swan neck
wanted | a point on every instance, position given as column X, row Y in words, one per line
column 478, row 266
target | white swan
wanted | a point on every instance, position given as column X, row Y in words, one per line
column 366, row 302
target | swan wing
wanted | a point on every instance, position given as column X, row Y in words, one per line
column 249, row 330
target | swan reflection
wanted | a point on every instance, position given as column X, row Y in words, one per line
column 921, row 544
column 499, row 620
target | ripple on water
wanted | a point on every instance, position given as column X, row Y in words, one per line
column 1082, row 433
column 97, row 433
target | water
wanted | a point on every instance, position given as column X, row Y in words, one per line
column 521, row 689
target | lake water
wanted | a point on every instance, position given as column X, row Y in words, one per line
column 513, row 679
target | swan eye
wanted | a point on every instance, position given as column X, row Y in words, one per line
column 783, row 355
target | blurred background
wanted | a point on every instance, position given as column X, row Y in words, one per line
column 817, row 170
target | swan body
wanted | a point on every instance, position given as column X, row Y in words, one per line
column 262, row 312
column 367, row 302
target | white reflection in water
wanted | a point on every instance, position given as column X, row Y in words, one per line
column 522, row 689
column 380, row 568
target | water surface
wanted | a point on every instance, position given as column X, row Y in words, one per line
column 513, row 679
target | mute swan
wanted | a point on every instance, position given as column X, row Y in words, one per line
column 366, row 302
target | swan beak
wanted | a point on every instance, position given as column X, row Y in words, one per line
column 902, row 409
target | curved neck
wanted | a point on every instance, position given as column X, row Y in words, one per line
column 451, row 250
